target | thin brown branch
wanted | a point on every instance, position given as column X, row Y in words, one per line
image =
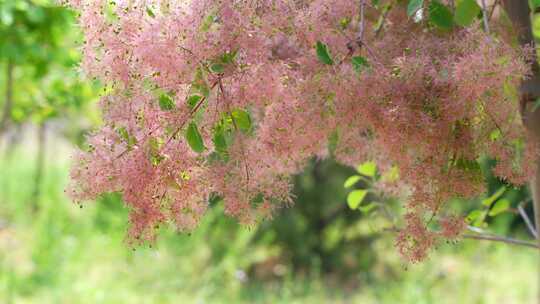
column 485, row 16
column 493, row 7
column 361, row 23
column 496, row 238
column 527, row 221
column 382, row 20
column 236, row 129
column 480, row 235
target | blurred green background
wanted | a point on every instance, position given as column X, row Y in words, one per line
column 317, row 251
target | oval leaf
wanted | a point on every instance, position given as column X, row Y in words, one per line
column 414, row 6
column 217, row 68
column 193, row 100
column 476, row 218
column 150, row 12
column 351, row 181
column 473, row 215
column 440, row 15
column 323, row 54
column 368, row 169
column 241, row 119
column 166, row 103
column 367, row 208
column 355, row 198
column 500, row 206
column 359, row 63
column 194, row 138
column 495, row 196
column 220, row 143
column 466, row 11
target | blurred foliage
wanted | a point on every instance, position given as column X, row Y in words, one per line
column 497, row 209
column 63, row 254
column 38, row 50
column 319, row 231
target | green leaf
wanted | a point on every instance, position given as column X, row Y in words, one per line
column 495, row 196
column 440, row 15
column 351, row 181
column 500, row 206
column 473, row 215
column 193, row 100
column 414, row 6
column 150, row 12
column 165, row 102
column 323, row 54
column 535, row 4
column 471, row 165
column 359, row 63
column 367, row 208
column 229, row 57
column 241, row 119
column 344, row 23
column 154, row 145
column 217, row 68
column 194, row 138
column 495, row 135
column 466, row 11
column 368, row 169
column 199, row 84
column 123, row 133
column 333, row 140
column 220, row 143
column 476, row 217
column 391, row 175
column 128, row 139
column 355, row 198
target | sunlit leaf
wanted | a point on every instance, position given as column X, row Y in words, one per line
column 500, row 206
column 193, row 100
column 150, row 12
column 367, row 208
column 351, row 181
column 495, row 135
column 368, row 169
column 495, row 196
column 355, row 198
column 391, row 175
column 165, row 102
column 476, row 217
column 241, row 119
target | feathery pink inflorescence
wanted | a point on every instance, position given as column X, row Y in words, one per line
column 428, row 103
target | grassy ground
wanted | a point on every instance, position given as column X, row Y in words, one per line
column 63, row 254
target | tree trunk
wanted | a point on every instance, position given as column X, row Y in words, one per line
column 8, row 102
column 40, row 165
column 520, row 14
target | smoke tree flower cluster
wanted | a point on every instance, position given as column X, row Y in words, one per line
column 230, row 98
